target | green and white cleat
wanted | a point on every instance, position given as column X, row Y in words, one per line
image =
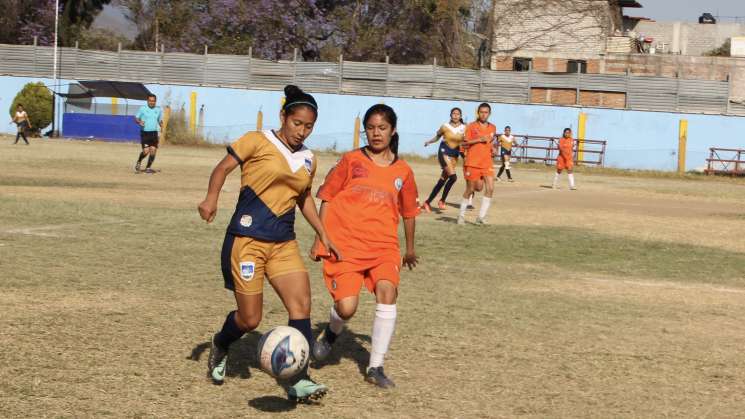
column 217, row 363
column 481, row 221
column 461, row 221
column 306, row 391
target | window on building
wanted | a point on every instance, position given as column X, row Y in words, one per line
column 574, row 65
column 522, row 64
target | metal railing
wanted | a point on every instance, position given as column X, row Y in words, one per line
column 537, row 149
column 726, row 161
column 360, row 78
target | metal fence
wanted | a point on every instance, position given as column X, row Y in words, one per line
column 373, row 79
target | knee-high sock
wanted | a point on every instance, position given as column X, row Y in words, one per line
column 571, row 179
column 142, row 156
column 336, row 325
column 485, row 203
column 303, row 325
column 229, row 333
column 383, row 327
column 436, row 190
column 463, row 207
column 470, row 198
column 509, row 174
column 451, row 181
column 556, row 180
column 501, row 170
column 150, row 160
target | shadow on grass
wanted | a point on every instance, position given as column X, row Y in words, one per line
column 242, row 357
column 348, row 345
column 272, row 404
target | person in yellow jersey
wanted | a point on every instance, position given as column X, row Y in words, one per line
column 276, row 175
column 506, row 142
column 452, row 134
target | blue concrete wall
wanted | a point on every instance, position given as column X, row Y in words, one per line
column 642, row 140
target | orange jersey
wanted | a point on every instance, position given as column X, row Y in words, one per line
column 566, row 147
column 480, row 155
column 364, row 202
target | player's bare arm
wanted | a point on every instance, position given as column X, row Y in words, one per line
column 410, row 258
column 208, row 207
column 307, row 206
column 434, row 139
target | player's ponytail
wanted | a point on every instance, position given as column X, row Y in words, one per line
column 390, row 116
column 295, row 97
column 394, row 144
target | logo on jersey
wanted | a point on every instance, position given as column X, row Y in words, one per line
column 358, row 170
column 308, row 165
column 398, row 183
column 247, row 270
column 246, row 220
column 333, row 284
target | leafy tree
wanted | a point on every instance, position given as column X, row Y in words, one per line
column 76, row 16
column 22, row 20
column 37, row 101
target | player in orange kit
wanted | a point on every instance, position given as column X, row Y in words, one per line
column 363, row 198
column 565, row 159
column 478, row 166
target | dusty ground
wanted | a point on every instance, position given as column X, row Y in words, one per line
column 622, row 299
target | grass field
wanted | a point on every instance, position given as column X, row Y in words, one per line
column 625, row 298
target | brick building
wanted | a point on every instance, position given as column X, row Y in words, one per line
column 594, row 36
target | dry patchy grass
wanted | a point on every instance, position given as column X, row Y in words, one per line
column 622, row 299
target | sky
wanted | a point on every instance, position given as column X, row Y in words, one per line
column 688, row 10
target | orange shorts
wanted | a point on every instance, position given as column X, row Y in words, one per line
column 476, row 173
column 564, row 162
column 345, row 279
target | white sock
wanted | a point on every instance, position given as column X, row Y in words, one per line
column 485, row 203
column 463, row 207
column 383, row 327
column 571, row 179
column 336, row 323
column 556, row 179
column 470, row 199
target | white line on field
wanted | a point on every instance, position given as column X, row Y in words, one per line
column 42, row 231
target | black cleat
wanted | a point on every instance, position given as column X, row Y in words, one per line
column 377, row 376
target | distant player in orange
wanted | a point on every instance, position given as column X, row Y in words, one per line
column 478, row 166
column 565, row 159
column 364, row 197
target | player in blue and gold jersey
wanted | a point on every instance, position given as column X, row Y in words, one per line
column 276, row 175
column 452, row 134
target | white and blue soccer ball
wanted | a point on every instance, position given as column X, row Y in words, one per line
column 283, row 352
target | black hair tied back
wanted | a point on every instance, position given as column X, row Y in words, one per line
column 294, row 96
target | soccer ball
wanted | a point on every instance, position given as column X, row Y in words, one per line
column 283, row 352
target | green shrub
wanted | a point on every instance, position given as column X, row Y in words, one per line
column 178, row 132
column 37, row 102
